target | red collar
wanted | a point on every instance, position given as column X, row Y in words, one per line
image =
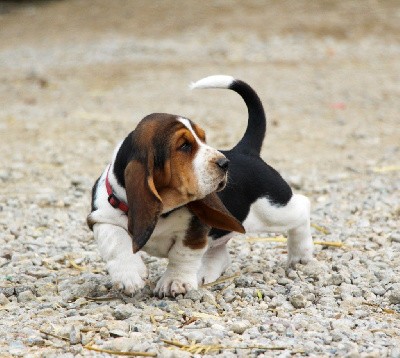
column 112, row 199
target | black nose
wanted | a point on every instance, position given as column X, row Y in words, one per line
column 223, row 163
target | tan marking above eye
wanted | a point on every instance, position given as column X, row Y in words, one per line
column 184, row 136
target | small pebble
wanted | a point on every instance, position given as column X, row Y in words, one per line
column 194, row 295
column 395, row 237
column 195, row 335
column 75, row 335
column 394, row 296
column 26, row 296
column 298, row 301
column 240, row 326
column 3, row 300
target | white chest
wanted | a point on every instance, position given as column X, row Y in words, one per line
column 167, row 232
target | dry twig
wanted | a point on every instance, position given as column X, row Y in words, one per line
column 54, row 335
column 283, row 239
column 195, row 348
column 103, row 298
column 188, row 320
column 203, row 348
column 201, row 315
column 321, row 229
column 389, row 168
column 386, row 310
column 76, row 266
column 118, row 353
column 221, row 280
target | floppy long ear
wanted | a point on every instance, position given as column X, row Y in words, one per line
column 145, row 205
column 213, row 212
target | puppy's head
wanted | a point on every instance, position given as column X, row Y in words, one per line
column 170, row 166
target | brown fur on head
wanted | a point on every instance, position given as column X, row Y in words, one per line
column 171, row 166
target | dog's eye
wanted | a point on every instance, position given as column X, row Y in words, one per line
column 186, row 147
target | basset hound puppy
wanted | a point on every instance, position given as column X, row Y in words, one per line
column 168, row 193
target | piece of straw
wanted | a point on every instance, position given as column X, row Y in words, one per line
column 221, row 280
column 118, row 353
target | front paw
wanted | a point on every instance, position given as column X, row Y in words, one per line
column 127, row 277
column 173, row 285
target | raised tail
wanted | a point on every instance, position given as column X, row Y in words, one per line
column 252, row 139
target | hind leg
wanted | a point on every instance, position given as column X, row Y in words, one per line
column 300, row 243
column 294, row 218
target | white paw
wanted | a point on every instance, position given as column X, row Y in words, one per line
column 127, row 275
column 300, row 252
column 212, row 270
column 173, row 285
column 209, row 274
column 214, row 263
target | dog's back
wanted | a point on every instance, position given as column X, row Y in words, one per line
column 250, row 178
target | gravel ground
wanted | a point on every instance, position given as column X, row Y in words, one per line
column 75, row 79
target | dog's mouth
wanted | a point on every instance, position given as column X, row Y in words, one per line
column 221, row 185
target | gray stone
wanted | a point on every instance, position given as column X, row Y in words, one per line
column 46, row 289
column 26, row 296
column 104, row 333
column 208, row 297
column 3, row 300
column 253, row 332
column 336, row 279
column 194, row 295
column 218, row 327
column 244, row 281
column 394, row 237
column 75, row 336
column 378, row 290
column 7, row 291
column 82, row 286
column 117, row 325
column 298, row 300
column 20, row 289
column 185, row 303
column 283, row 281
column 394, row 296
column 35, row 340
column 195, row 335
column 122, row 344
column 118, row 333
column 123, row 311
column 395, row 353
column 229, row 296
column 240, row 326
column 16, row 348
column 336, row 335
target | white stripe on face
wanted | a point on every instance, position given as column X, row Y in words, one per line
column 188, row 125
column 208, row 174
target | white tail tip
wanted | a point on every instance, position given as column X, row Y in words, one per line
column 217, row 81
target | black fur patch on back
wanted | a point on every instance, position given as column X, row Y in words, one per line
column 94, row 189
column 249, row 179
column 121, row 161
